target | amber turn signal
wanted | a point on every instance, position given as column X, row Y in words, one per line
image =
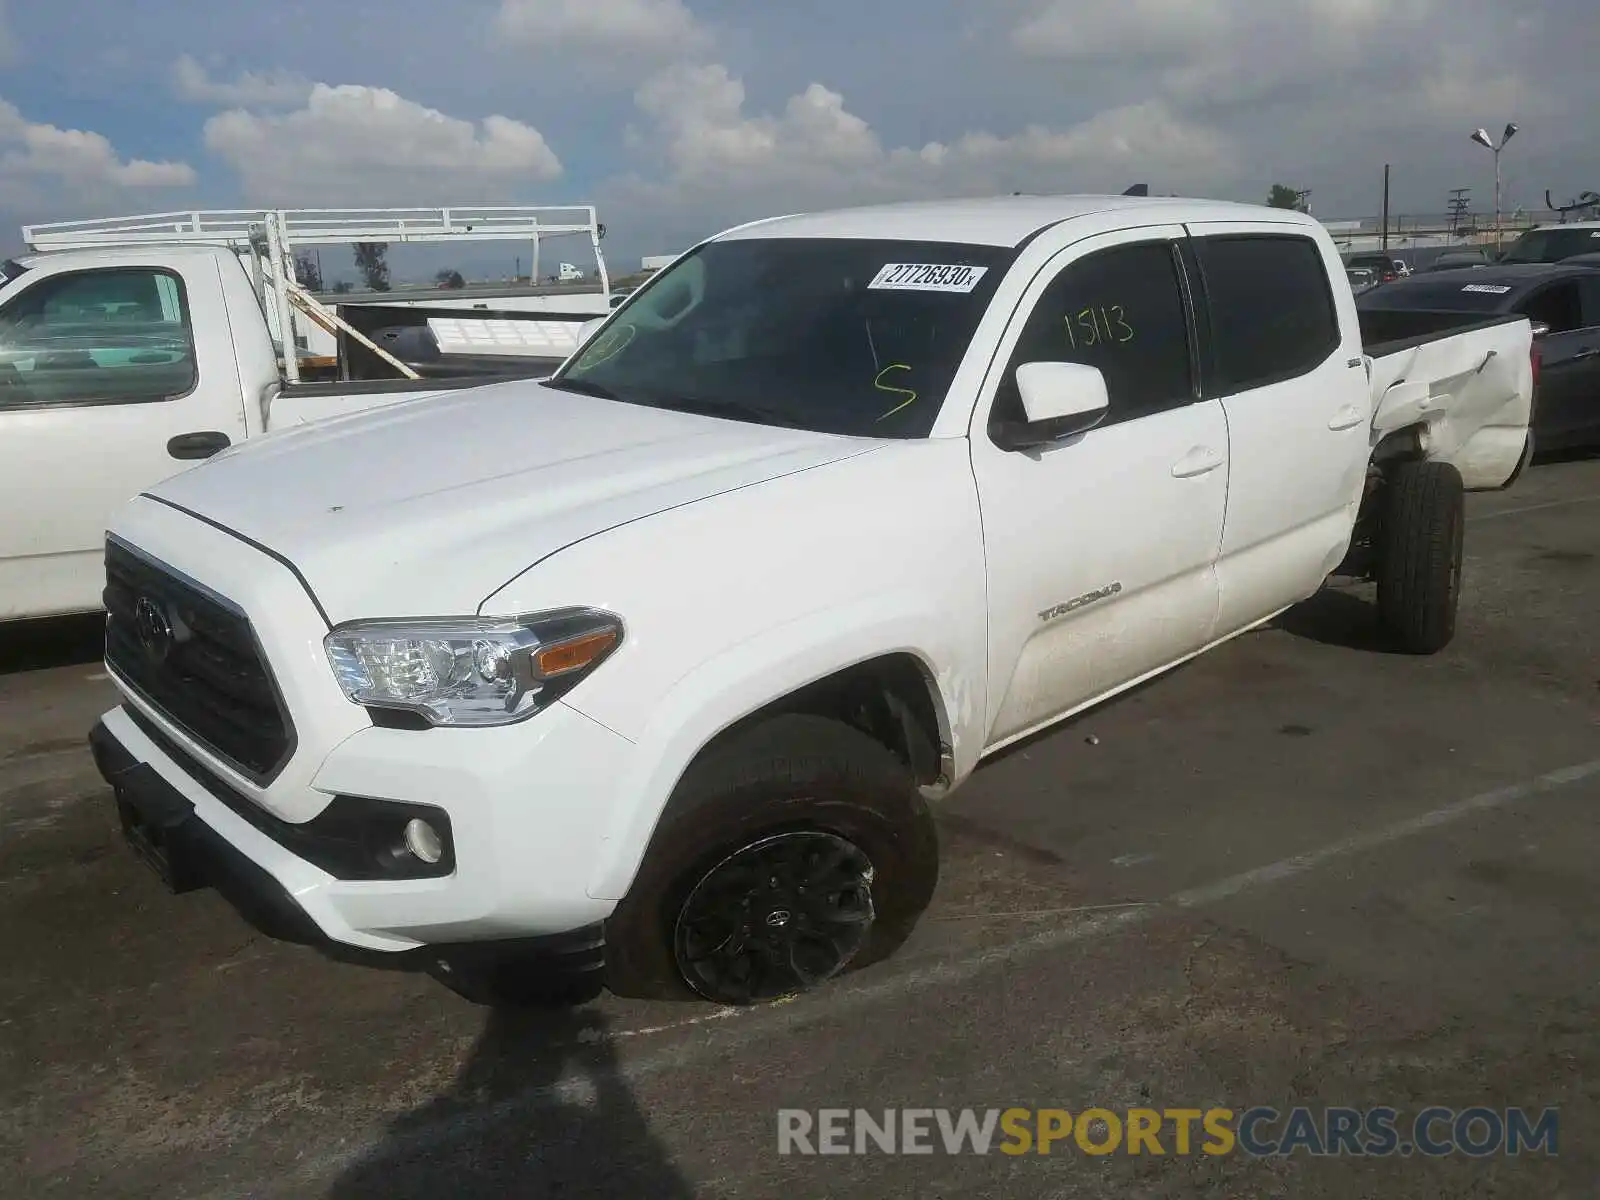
column 562, row 658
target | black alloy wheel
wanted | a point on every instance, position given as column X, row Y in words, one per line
column 778, row 917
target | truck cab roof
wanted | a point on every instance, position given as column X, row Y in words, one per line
column 124, row 254
column 1006, row 221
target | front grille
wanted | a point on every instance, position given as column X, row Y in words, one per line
column 193, row 656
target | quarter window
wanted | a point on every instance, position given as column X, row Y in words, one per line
column 1271, row 311
column 97, row 337
column 1120, row 310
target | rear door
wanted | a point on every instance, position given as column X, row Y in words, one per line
column 1285, row 361
column 1569, row 362
column 98, row 376
column 1100, row 548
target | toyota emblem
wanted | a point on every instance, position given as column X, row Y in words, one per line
column 153, row 628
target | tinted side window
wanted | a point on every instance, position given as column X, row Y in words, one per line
column 1272, row 313
column 1119, row 310
column 1556, row 306
column 97, row 337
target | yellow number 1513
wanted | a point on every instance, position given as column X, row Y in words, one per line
column 1096, row 325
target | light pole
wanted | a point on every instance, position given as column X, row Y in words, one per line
column 1481, row 136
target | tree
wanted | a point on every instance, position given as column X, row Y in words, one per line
column 307, row 271
column 1284, row 196
column 372, row 262
column 449, row 277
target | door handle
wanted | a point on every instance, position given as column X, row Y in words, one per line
column 202, row 444
column 1199, row 461
column 1589, row 353
column 1347, row 417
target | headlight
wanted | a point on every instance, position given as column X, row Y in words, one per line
column 469, row 670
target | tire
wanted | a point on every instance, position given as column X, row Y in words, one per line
column 1420, row 555
column 788, row 796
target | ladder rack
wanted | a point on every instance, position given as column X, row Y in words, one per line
column 269, row 236
column 236, row 227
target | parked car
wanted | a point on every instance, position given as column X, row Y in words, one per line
column 656, row 665
column 1554, row 243
column 1456, row 260
column 1562, row 301
column 1381, row 265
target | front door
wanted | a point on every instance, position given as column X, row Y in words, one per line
column 98, row 375
column 1567, row 407
column 1101, row 547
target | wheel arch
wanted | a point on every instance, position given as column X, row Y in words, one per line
column 896, row 697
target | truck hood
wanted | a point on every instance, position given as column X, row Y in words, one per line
column 429, row 507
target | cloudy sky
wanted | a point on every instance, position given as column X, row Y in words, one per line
column 678, row 117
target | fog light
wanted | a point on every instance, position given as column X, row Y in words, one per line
column 423, row 841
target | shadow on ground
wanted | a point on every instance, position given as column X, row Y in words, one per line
column 54, row 642
column 538, row 1110
column 1336, row 617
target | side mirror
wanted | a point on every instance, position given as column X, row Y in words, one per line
column 1540, row 330
column 1059, row 400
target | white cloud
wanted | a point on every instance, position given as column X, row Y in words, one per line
column 361, row 145
column 721, row 163
column 46, row 167
column 657, row 27
column 1232, row 50
column 251, row 89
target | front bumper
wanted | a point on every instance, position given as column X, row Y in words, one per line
column 521, row 852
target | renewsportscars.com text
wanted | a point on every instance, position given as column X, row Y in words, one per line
column 1259, row 1132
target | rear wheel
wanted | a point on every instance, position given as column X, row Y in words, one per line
column 793, row 852
column 1421, row 544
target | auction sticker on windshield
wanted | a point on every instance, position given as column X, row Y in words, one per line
column 927, row 277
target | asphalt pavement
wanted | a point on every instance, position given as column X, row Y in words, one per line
column 1299, row 872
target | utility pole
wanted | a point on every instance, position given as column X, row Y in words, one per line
column 1385, row 235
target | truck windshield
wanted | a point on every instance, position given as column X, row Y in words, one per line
column 1553, row 245
column 836, row 335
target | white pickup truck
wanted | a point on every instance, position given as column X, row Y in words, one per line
column 120, row 367
column 655, row 666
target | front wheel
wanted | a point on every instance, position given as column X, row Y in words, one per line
column 791, row 853
column 1420, row 555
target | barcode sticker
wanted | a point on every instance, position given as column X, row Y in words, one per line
column 926, row 277
column 1491, row 289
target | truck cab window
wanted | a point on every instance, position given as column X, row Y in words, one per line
column 96, row 337
column 1271, row 310
column 1119, row 310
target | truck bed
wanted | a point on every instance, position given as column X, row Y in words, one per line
column 1387, row 331
column 1465, row 380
